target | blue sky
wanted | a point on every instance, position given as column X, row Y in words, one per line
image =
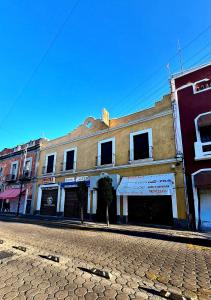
column 110, row 53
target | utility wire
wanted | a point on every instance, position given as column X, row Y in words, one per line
column 43, row 57
column 122, row 100
column 156, row 88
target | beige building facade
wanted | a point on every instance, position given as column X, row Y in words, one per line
column 137, row 151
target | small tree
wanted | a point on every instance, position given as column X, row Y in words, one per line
column 105, row 190
column 81, row 195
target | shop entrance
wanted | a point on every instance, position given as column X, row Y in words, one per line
column 101, row 209
column 72, row 206
column 205, row 209
column 49, row 202
column 150, row 210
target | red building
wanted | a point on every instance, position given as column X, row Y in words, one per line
column 18, row 177
column 191, row 96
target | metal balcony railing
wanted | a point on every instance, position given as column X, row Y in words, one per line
column 143, row 154
column 46, row 171
column 65, row 169
column 103, row 161
column 11, row 177
column 27, row 175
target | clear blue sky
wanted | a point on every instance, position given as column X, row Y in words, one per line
column 110, row 53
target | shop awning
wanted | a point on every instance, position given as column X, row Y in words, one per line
column 11, row 194
column 152, row 185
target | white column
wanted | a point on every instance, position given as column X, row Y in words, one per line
column 174, row 204
column 58, row 200
column 125, row 206
column 25, row 201
column 62, row 200
column 94, row 202
column 89, row 201
column 118, row 205
column 39, row 197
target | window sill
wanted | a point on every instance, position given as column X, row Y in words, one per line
column 204, row 157
column 138, row 161
column 68, row 171
column 105, row 166
column 200, row 91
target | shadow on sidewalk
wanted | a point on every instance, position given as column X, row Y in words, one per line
column 56, row 223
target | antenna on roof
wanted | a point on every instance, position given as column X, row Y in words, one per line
column 179, row 51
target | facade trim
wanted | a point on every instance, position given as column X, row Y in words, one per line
column 141, row 120
column 132, row 134
column 142, row 164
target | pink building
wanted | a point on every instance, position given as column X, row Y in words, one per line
column 18, row 168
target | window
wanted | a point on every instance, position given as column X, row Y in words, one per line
column 14, row 170
column 203, row 136
column 50, row 163
column 69, row 159
column 205, row 133
column 27, row 167
column 106, row 152
column 141, row 145
column 202, row 85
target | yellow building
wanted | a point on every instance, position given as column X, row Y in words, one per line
column 137, row 151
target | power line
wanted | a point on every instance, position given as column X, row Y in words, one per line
column 43, row 57
column 163, row 83
column 160, row 67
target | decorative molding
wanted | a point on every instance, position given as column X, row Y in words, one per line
column 134, row 122
column 127, row 166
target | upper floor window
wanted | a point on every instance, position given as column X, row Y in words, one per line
column 1, row 171
column 69, row 159
column 50, row 163
column 14, row 170
column 141, row 145
column 106, row 152
column 27, row 166
column 203, row 136
column 202, row 85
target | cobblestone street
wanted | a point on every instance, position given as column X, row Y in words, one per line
column 140, row 267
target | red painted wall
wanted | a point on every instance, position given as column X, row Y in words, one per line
column 190, row 106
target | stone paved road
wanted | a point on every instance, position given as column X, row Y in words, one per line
column 140, row 267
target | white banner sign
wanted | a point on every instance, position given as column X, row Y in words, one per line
column 161, row 184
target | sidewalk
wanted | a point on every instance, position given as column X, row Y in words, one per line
column 168, row 234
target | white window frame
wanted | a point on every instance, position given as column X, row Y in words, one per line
column 199, row 153
column 113, row 151
column 28, row 159
column 132, row 134
column 11, row 167
column 1, row 171
column 74, row 159
column 54, row 162
column 200, row 91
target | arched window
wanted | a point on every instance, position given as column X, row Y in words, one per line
column 203, row 135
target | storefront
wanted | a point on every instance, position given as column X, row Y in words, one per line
column 10, row 198
column 201, row 181
column 48, row 198
column 147, row 199
column 70, row 206
column 96, row 207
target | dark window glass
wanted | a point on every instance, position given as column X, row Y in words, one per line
column 50, row 164
column 205, row 133
column 69, row 160
column 106, row 153
column 141, row 146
